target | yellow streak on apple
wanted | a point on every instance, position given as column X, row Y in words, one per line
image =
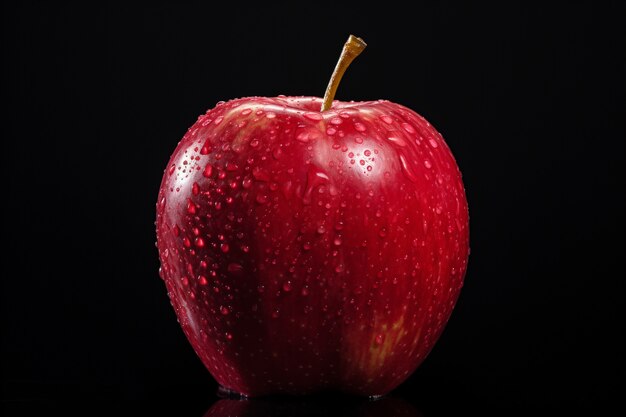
column 370, row 362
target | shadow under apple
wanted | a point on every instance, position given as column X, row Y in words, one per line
column 313, row 406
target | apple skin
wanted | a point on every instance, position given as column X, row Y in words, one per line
column 306, row 251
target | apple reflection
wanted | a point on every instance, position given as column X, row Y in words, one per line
column 313, row 406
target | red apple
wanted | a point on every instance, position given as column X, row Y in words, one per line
column 306, row 250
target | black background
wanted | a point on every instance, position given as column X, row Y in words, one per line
column 529, row 98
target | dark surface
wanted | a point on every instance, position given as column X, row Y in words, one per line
column 530, row 99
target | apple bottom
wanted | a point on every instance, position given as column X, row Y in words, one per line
column 325, row 344
column 312, row 406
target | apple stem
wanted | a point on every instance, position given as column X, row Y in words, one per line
column 352, row 48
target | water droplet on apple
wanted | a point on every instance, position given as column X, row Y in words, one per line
column 191, row 207
column 303, row 137
column 218, row 120
column 224, row 310
column 406, row 169
column 359, row 127
column 224, row 247
column 386, row 119
column 208, row 170
column 313, row 116
column 206, row 149
column 379, row 339
column 202, row 280
column 172, row 169
column 408, row 127
column 185, row 281
column 199, row 242
column 287, row 286
column 246, row 112
column 432, row 142
column 336, row 121
column 397, row 140
column 161, row 206
column 270, row 115
column 260, row 174
column 427, row 164
column 315, row 177
column 261, row 198
column 277, row 152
